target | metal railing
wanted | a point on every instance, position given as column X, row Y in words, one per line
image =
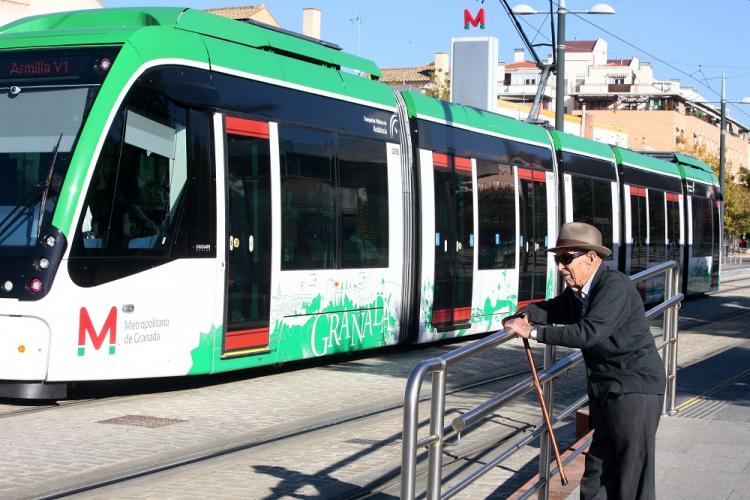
column 733, row 255
column 438, row 367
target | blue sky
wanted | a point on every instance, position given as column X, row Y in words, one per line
column 689, row 41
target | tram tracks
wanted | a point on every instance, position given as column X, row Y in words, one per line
column 15, row 410
column 108, row 477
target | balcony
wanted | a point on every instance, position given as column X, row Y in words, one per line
column 618, row 87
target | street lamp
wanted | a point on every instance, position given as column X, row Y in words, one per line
column 525, row 10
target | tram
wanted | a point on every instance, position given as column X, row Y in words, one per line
column 186, row 194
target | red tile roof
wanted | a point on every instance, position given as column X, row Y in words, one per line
column 579, row 45
column 520, row 65
column 619, row 62
column 414, row 74
column 245, row 12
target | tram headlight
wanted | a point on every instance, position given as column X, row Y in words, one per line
column 42, row 263
column 36, row 285
column 7, row 286
column 50, row 241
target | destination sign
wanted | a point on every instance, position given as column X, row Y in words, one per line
column 37, row 68
column 55, row 66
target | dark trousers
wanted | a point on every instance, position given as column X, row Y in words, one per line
column 620, row 462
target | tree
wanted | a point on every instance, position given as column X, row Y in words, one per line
column 736, row 195
column 744, row 177
column 439, row 85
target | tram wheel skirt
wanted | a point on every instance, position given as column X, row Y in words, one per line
column 33, row 390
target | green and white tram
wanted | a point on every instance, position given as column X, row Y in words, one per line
column 702, row 223
column 186, row 194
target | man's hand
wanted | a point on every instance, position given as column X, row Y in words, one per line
column 519, row 325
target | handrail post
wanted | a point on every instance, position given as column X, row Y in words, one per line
column 437, row 420
column 409, row 438
column 675, row 319
column 669, row 291
column 544, row 438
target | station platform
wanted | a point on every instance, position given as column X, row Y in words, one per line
column 702, row 452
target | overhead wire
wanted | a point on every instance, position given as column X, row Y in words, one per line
column 702, row 81
column 657, row 58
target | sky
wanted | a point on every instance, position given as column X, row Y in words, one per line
column 687, row 40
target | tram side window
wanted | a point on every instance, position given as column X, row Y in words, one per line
column 673, row 227
column 151, row 191
column 497, row 216
column 657, row 226
column 716, row 237
column 130, row 202
column 592, row 204
column 363, row 202
column 308, row 209
column 333, row 215
column 638, row 229
column 702, row 227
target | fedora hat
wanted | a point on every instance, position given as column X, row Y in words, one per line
column 580, row 236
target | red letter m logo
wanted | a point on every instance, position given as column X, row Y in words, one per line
column 97, row 338
column 474, row 21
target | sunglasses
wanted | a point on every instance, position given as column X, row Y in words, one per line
column 566, row 258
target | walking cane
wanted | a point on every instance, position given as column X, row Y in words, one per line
column 545, row 413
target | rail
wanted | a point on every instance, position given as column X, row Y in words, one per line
column 438, row 367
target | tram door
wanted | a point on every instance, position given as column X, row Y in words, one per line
column 532, row 193
column 454, row 241
column 248, row 250
column 638, row 231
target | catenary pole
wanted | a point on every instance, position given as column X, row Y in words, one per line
column 722, row 158
column 560, row 68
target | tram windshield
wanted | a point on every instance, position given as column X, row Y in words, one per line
column 45, row 96
column 37, row 132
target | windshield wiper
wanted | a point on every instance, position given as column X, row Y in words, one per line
column 51, row 169
column 8, row 222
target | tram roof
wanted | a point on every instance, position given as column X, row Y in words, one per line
column 696, row 169
column 646, row 162
column 581, row 145
column 479, row 120
column 692, row 168
column 112, row 26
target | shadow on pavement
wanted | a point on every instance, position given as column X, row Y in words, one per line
column 722, row 377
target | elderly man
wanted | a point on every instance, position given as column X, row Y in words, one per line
column 601, row 313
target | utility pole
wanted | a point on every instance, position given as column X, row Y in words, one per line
column 722, row 158
column 560, row 68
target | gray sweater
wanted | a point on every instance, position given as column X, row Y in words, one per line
column 613, row 335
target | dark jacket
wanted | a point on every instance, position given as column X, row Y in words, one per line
column 613, row 335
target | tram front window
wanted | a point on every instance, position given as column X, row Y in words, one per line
column 37, row 132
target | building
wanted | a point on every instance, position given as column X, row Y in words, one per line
column 258, row 13
column 656, row 115
column 420, row 78
column 519, row 81
column 10, row 10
